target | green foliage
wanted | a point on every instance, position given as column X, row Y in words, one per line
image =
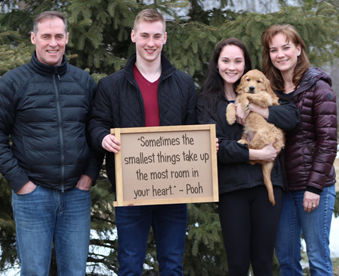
column 204, row 252
column 318, row 28
column 100, row 43
column 103, row 229
column 7, row 226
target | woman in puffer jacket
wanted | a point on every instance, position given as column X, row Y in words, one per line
column 309, row 152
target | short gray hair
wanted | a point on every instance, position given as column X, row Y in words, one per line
column 48, row 15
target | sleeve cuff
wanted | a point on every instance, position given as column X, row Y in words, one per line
column 313, row 190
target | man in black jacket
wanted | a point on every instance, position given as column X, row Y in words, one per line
column 44, row 108
column 149, row 91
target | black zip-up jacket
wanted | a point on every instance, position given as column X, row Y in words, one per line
column 234, row 170
column 45, row 110
column 119, row 104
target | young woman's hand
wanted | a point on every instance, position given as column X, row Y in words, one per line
column 268, row 153
column 241, row 114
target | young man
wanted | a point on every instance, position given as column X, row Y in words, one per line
column 149, row 91
column 44, row 107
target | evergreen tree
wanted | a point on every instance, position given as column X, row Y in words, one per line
column 100, row 43
column 7, row 227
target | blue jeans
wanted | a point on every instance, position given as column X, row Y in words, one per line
column 169, row 226
column 314, row 226
column 45, row 216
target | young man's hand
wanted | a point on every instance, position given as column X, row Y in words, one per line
column 111, row 143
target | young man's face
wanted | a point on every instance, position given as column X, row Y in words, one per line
column 50, row 41
column 149, row 38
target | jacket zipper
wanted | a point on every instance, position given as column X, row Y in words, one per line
column 61, row 136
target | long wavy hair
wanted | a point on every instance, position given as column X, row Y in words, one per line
column 272, row 73
column 213, row 88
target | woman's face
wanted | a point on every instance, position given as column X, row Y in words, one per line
column 231, row 63
column 284, row 54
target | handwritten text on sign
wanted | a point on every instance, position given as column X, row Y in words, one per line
column 166, row 165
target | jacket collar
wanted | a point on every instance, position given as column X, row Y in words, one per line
column 48, row 70
column 167, row 68
column 310, row 77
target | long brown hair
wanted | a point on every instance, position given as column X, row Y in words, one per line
column 213, row 87
column 272, row 73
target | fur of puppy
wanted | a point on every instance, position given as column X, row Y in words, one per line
column 255, row 88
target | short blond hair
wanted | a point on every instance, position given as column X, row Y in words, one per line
column 149, row 15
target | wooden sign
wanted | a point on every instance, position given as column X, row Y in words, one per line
column 166, row 165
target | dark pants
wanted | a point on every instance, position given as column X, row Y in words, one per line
column 249, row 225
column 169, row 227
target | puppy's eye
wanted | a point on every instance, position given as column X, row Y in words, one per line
column 258, row 81
column 248, row 79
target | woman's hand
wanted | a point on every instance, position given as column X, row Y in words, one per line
column 268, row 153
column 241, row 114
column 311, row 201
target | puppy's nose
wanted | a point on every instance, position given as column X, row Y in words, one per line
column 251, row 88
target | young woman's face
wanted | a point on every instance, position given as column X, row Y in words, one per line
column 231, row 63
column 284, row 54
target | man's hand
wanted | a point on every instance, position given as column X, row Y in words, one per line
column 84, row 183
column 111, row 143
column 27, row 188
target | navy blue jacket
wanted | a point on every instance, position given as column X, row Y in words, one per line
column 119, row 104
column 45, row 109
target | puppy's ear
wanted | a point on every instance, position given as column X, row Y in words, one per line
column 268, row 87
column 275, row 98
column 240, row 87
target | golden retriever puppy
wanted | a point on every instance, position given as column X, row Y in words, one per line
column 255, row 88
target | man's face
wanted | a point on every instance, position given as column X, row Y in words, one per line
column 50, row 41
column 149, row 38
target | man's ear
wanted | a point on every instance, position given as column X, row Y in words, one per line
column 33, row 38
column 133, row 36
column 67, row 35
column 165, row 37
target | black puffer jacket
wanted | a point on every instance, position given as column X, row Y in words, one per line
column 119, row 104
column 234, row 170
column 311, row 147
column 45, row 110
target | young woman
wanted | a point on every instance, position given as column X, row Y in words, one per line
column 248, row 220
column 309, row 153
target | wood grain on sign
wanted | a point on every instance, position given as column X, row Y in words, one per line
column 166, row 165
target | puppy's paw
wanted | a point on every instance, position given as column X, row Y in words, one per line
column 245, row 105
column 263, row 99
column 243, row 141
column 231, row 114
